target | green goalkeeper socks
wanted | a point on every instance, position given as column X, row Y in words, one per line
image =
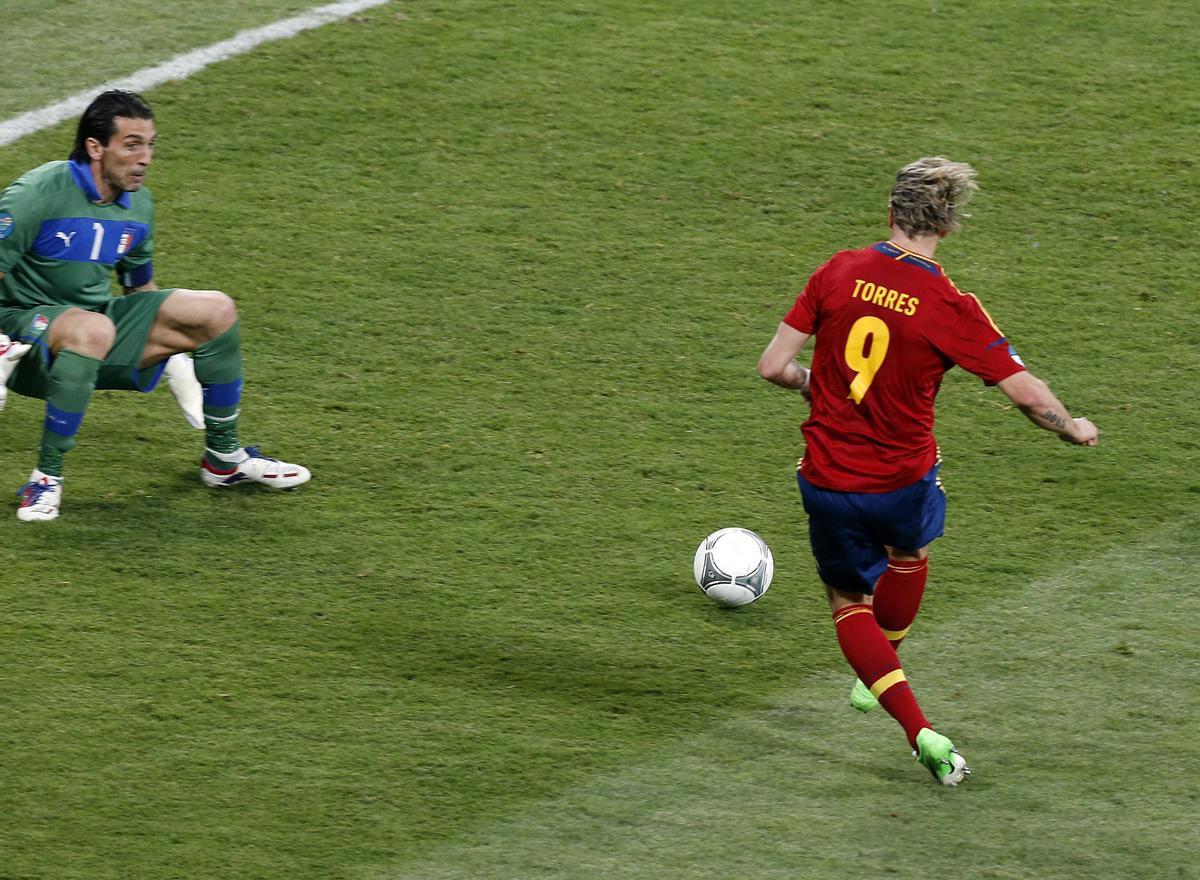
column 218, row 364
column 72, row 380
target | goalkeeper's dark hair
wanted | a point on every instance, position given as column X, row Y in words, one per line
column 929, row 195
column 99, row 120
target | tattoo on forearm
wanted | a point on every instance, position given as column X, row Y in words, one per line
column 1053, row 419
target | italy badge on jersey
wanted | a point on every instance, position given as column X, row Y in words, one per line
column 6, row 224
column 125, row 242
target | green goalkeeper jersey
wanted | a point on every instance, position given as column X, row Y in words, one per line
column 59, row 247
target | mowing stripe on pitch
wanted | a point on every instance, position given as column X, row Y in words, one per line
column 181, row 66
column 766, row 792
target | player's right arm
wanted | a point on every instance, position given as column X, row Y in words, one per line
column 778, row 361
column 22, row 210
column 1033, row 397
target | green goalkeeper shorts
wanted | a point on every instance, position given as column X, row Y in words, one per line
column 133, row 315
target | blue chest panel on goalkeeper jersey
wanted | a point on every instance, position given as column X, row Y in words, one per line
column 88, row 240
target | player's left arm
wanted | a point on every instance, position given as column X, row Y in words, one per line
column 1034, row 398
column 975, row 343
column 778, row 362
column 135, row 270
column 136, row 273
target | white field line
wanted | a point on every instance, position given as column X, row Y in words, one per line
column 181, row 66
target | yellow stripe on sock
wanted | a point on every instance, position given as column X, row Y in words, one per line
column 896, row 635
column 850, row 612
column 882, row 684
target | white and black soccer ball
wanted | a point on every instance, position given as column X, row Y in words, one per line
column 733, row 566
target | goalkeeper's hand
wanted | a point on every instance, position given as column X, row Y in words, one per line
column 10, row 354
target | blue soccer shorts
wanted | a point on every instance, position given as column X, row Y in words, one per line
column 851, row 531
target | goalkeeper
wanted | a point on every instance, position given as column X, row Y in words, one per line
column 64, row 228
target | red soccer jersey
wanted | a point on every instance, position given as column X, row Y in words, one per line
column 888, row 325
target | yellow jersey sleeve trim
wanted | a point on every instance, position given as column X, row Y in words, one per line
column 978, row 303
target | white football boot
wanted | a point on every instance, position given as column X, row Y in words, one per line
column 40, row 497
column 248, row 465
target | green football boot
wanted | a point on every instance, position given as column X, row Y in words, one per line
column 861, row 697
column 943, row 760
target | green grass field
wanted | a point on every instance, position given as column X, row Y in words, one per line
column 504, row 272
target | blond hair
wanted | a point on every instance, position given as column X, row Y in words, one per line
column 929, row 195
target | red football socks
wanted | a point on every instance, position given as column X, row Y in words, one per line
column 898, row 594
column 868, row 651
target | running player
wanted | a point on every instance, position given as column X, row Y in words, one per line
column 64, row 228
column 888, row 324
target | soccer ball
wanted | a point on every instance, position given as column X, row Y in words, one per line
column 733, row 566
